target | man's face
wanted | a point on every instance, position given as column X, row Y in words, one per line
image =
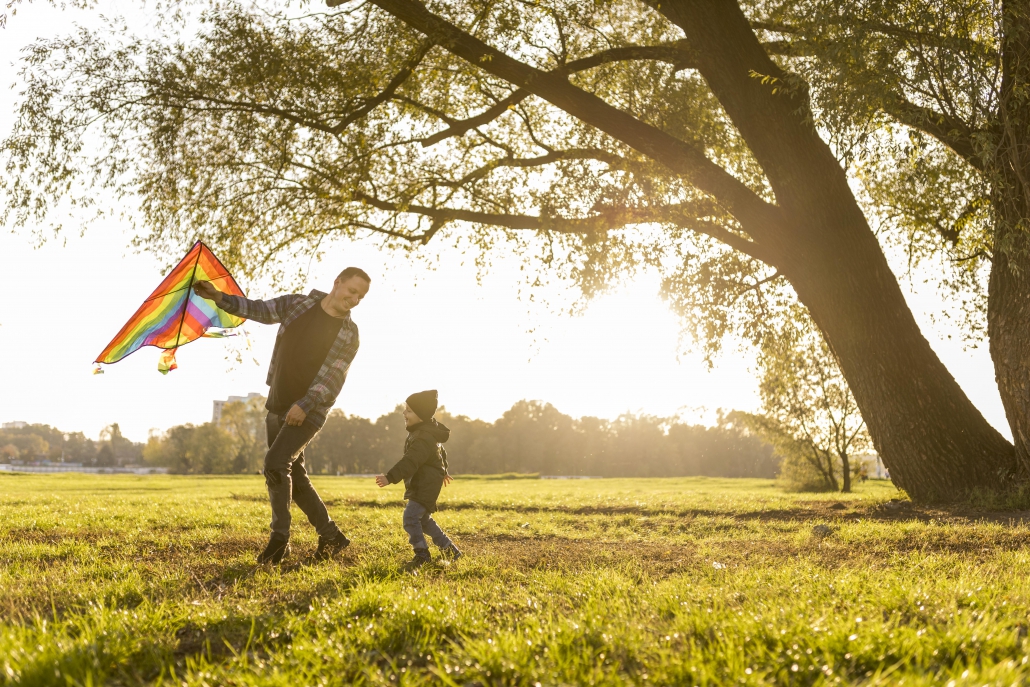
column 410, row 418
column 347, row 294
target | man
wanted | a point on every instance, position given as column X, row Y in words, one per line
column 316, row 343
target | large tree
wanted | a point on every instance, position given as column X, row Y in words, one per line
column 602, row 135
column 933, row 97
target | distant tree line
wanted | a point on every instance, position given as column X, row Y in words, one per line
column 235, row 444
column 35, row 443
column 530, row 437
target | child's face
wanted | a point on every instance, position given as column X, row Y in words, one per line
column 410, row 418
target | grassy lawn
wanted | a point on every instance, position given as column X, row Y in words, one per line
column 131, row 580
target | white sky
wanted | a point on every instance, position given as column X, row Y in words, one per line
column 63, row 302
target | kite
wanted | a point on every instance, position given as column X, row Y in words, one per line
column 174, row 315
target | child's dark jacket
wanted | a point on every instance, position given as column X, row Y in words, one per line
column 424, row 463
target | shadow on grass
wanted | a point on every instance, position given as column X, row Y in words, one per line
column 820, row 511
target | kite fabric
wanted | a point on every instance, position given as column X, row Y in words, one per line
column 174, row 315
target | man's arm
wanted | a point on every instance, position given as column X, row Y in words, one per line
column 266, row 312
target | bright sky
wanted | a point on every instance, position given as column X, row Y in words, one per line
column 64, row 301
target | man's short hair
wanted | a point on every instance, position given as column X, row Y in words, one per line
column 354, row 272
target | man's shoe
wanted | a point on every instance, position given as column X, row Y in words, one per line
column 421, row 558
column 330, row 546
column 278, row 547
column 452, row 552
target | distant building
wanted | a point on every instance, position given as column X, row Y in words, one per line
column 874, row 467
column 216, row 412
column 18, row 424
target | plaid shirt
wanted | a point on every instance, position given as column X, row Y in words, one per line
column 285, row 309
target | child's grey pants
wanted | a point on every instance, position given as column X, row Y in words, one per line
column 287, row 480
column 418, row 522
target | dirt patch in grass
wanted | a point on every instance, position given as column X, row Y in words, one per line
column 897, row 510
column 54, row 536
column 892, row 511
column 254, row 498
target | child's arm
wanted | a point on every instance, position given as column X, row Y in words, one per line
column 417, row 454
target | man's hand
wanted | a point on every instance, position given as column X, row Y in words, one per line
column 206, row 289
column 296, row 416
column 447, row 479
column 382, row 481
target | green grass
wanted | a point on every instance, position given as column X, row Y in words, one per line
column 132, row 580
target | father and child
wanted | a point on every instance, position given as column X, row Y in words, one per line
column 314, row 348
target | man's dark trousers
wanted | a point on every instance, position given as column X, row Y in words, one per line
column 287, row 480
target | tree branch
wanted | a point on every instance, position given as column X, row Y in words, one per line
column 672, row 53
column 609, row 218
column 756, row 215
column 183, row 98
column 751, row 288
column 907, row 34
column 612, row 160
column 187, row 95
column 387, row 92
column 460, row 127
column 953, row 133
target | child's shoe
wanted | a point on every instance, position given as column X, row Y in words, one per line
column 278, row 547
column 330, row 546
column 452, row 552
column 421, row 558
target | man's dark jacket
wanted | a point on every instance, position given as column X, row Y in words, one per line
column 424, row 463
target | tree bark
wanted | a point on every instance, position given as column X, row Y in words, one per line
column 1008, row 304
column 936, row 444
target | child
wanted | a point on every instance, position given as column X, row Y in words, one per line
column 424, row 471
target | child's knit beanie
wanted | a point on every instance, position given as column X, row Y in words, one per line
column 424, row 403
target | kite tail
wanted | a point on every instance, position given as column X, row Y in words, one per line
column 167, row 362
column 98, row 370
column 220, row 333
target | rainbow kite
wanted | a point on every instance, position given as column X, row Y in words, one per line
column 173, row 315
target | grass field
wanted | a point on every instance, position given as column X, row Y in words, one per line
column 133, row 580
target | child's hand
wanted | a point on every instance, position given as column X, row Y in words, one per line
column 382, row 481
column 447, row 479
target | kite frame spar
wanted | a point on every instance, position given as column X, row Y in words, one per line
column 152, row 325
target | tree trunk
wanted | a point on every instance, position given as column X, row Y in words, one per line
column 1008, row 305
column 934, row 441
column 936, row 444
column 824, row 463
column 1008, row 327
column 846, row 469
